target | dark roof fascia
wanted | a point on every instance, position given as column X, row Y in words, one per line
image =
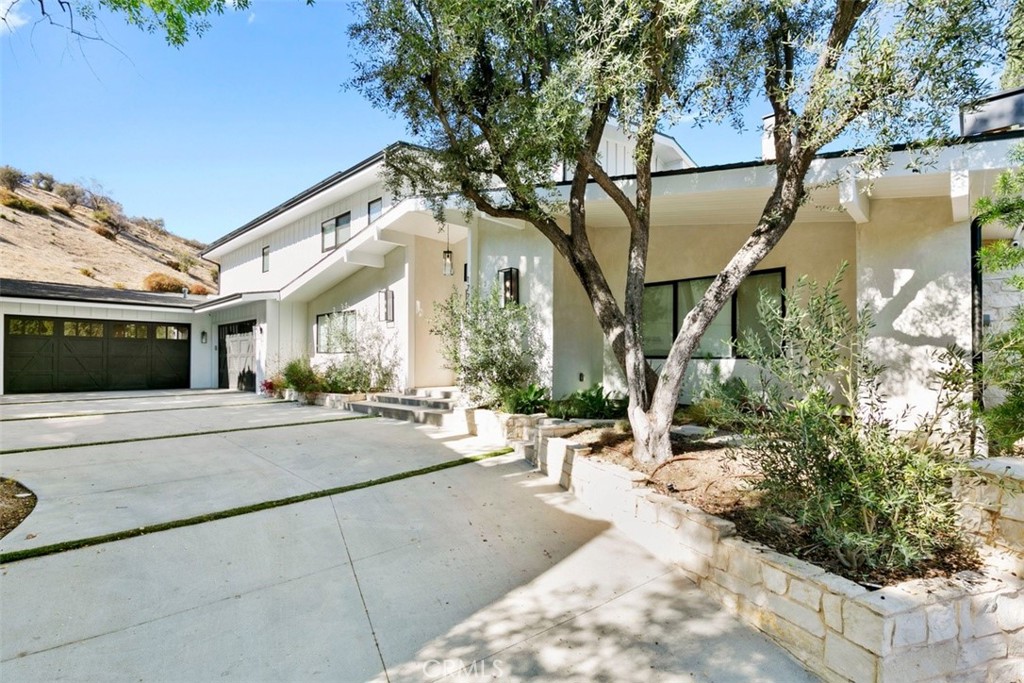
column 324, row 184
column 55, row 291
column 230, row 297
column 902, row 147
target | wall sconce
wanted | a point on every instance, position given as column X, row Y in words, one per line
column 203, row 337
column 508, row 279
column 447, row 266
column 386, row 301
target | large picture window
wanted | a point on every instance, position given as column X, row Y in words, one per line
column 335, row 332
column 667, row 303
column 335, row 231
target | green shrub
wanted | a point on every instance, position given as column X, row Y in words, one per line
column 185, row 261
column 23, row 204
column 589, row 404
column 158, row 282
column 11, row 178
column 875, row 494
column 491, row 348
column 63, row 211
column 299, row 375
column 370, row 361
column 527, row 400
column 71, row 193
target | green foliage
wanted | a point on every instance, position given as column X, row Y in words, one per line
column 185, row 260
column 23, row 204
column 11, row 178
column 591, row 404
column 43, row 181
column 73, row 194
column 527, row 400
column 491, row 348
column 1013, row 73
column 1003, row 366
column 875, row 493
column 299, row 375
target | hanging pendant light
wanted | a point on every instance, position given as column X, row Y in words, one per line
column 447, row 265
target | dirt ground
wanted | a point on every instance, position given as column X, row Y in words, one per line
column 717, row 479
column 16, row 502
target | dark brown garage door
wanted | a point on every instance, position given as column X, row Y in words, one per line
column 64, row 354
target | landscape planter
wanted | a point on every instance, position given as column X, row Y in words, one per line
column 966, row 628
column 328, row 400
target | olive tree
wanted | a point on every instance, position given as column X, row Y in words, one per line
column 499, row 90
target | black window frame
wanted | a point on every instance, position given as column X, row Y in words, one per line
column 347, row 314
column 265, row 254
column 379, row 201
column 734, row 322
column 331, row 225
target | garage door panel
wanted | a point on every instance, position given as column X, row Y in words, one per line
column 56, row 354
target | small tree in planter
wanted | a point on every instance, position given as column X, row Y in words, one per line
column 859, row 487
column 493, row 349
column 369, row 358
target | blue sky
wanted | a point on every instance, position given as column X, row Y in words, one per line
column 212, row 134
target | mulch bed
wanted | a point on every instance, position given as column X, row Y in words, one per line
column 16, row 502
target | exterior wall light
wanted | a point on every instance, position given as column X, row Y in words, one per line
column 386, row 305
column 203, row 337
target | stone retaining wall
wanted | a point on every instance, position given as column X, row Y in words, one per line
column 994, row 508
column 970, row 628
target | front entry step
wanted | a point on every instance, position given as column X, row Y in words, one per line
column 424, row 406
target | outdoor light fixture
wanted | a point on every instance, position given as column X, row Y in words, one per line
column 508, row 279
column 386, row 299
column 447, row 266
column 203, row 337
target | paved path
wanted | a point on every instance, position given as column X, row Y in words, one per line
column 478, row 572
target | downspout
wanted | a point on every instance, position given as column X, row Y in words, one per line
column 977, row 328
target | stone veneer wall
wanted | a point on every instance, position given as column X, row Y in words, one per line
column 970, row 628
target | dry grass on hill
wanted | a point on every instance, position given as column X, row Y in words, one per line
column 70, row 249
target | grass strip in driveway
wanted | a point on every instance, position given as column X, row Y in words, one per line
column 33, row 449
column 41, row 551
column 246, row 404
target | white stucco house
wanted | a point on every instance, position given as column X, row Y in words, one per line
column 345, row 245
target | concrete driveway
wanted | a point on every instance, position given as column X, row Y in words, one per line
column 475, row 572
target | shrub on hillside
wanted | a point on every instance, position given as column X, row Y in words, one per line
column 154, row 224
column 104, row 232
column 43, row 181
column 63, row 211
column 158, row 282
column 11, row 178
column 185, row 260
column 199, row 290
column 71, row 193
column 24, row 204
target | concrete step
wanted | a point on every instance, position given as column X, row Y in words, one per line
column 414, row 401
column 397, row 411
column 433, row 392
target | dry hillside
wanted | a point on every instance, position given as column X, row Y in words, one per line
column 72, row 249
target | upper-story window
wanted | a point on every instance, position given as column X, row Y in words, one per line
column 335, row 231
column 266, row 259
column 374, row 209
column 667, row 303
